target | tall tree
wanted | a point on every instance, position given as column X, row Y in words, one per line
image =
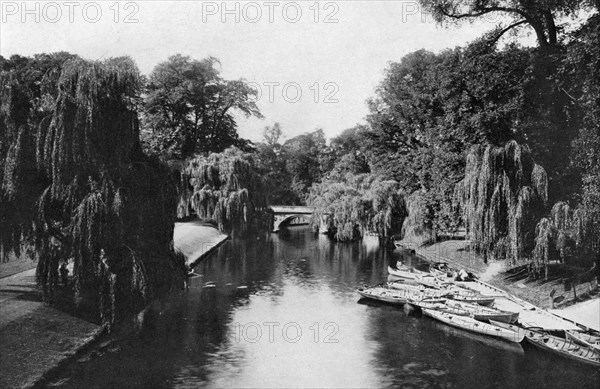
column 272, row 165
column 541, row 16
column 303, row 155
column 189, row 108
column 272, row 135
column 349, row 152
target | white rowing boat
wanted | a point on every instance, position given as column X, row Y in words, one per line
column 470, row 324
column 516, row 329
column 417, row 289
column 563, row 347
column 480, row 312
column 439, row 306
column 404, row 273
column 395, row 296
column 472, row 298
column 584, row 339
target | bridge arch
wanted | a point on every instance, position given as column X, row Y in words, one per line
column 284, row 219
column 283, row 214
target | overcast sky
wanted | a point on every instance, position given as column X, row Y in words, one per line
column 333, row 53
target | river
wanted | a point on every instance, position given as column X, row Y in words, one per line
column 283, row 312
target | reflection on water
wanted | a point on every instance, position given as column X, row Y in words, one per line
column 283, row 312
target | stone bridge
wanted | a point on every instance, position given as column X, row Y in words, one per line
column 284, row 214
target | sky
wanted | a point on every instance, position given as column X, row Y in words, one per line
column 314, row 63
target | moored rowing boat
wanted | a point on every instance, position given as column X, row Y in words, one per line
column 439, row 306
column 393, row 296
column 382, row 295
column 406, row 273
column 563, row 347
column 516, row 329
column 485, row 313
column 417, row 289
column 473, row 298
column 584, row 339
column 470, row 324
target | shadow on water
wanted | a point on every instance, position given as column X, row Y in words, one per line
column 283, row 312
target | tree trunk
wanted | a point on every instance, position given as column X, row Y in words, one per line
column 550, row 27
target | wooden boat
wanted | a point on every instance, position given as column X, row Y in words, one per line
column 417, row 289
column 393, row 296
column 382, row 294
column 485, row 313
column 431, row 281
column 438, row 306
column 516, row 329
column 405, row 273
column 472, row 298
column 456, row 292
column 584, row 339
column 470, row 324
column 563, row 347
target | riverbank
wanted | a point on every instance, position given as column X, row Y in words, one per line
column 196, row 240
column 36, row 339
column 535, row 292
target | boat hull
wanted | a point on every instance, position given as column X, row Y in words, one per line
column 584, row 339
column 481, row 300
column 391, row 299
column 472, row 325
column 517, row 330
column 485, row 313
column 564, row 348
column 405, row 273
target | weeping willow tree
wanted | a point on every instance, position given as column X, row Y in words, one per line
column 94, row 198
column 226, row 188
column 417, row 227
column 501, row 198
column 357, row 205
column 566, row 236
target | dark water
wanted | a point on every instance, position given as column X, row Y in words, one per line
column 284, row 313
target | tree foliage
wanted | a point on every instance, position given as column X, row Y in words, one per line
column 358, row 204
column 189, row 108
column 431, row 108
column 272, row 165
column 571, row 233
column 226, row 188
column 303, row 155
column 503, row 194
column 541, row 16
column 94, row 197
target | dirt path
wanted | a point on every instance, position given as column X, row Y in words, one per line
column 585, row 312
